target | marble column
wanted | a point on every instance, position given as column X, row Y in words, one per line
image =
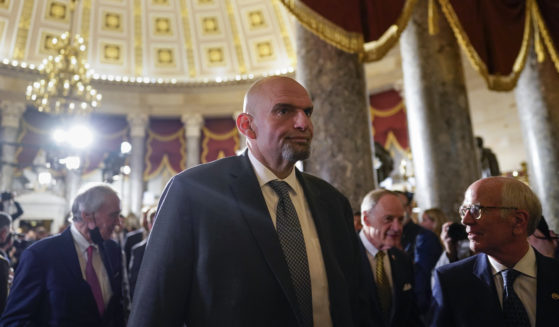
column 341, row 151
column 11, row 116
column 242, row 137
column 138, row 126
column 193, row 124
column 440, row 128
column 537, row 99
column 73, row 181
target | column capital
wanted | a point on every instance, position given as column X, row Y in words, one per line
column 11, row 113
column 193, row 124
column 138, row 124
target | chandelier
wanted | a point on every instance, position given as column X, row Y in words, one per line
column 65, row 88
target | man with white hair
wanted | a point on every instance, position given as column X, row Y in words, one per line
column 507, row 283
column 73, row 278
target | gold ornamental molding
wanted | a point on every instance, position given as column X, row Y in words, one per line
column 188, row 39
column 23, row 29
column 138, row 44
column 285, row 34
column 236, row 38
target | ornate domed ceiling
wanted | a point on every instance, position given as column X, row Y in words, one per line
column 155, row 40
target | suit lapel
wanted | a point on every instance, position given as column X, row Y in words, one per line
column 397, row 281
column 248, row 194
column 482, row 270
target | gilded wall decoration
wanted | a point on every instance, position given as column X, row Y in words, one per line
column 205, row 2
column 47, row 46
column 165, row 57
column 162, row 26
column 57, row 11
column 112, row 22
column 4, row 4
column 256, row 19
column 210, row 25
column 265, row 50
column 215, row 56
column 160, row 2
column 112, row 53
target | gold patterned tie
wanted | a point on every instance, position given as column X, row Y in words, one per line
column 383, row 286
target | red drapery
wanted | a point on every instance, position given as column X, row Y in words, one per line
column 165, row 147
column 388, row 114
column 219, row 139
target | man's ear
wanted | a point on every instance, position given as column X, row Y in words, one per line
column 244, row 124
column 520, row 222
column 3, row 234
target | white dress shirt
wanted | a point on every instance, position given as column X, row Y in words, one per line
column 81, row 245
column 525, row 284
column 371, row 253
column 317, row 270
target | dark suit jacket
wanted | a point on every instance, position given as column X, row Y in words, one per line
column 136, row 257
column 49, row 289
column 132, row 238
column 424, row 248
column 4, row 277
column 465, row 294
column 404, row 311
column 214, row 259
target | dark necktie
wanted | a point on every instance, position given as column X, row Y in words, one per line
column 515, row 313
column 91, row 278
column 383, row 285
column 293, row 245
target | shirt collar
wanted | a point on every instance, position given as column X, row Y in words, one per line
column 80, row 240
column 526, row 265
column 368, row 245
column 265, row 175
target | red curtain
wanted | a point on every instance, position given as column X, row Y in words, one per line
column 165, row 147
column 388, row 114
column 219, row 139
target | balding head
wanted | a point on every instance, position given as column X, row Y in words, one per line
column 276, row 122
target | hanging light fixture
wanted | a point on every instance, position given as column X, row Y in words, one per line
column 64, row 87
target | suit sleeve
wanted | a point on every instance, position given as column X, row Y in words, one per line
column 439, row 311
column 162, row 290
column 4, row 276
column 27, row 292
column 427, row 251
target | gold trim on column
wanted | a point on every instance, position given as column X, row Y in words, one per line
column 376, row 50
column 86, row 23
column 236, row 38
column 138, row 58
column 23, row 29
column 348, row 41
column 544, row 32
column 188, row 39
column 494, row 81
column 285, row 35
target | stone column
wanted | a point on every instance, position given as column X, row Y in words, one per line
column 341, row 151
column 193, row 124
column 440, row 128
column 138, row 124
column 242, row 137
column 537, row 99
column 73, row 181
column 11, row 116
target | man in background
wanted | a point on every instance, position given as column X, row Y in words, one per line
column 5, row 270
column 73, row 278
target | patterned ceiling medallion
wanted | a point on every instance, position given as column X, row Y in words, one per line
column 264, row 50
column 56, row 10
column 215, row 56
column 162, row 26
column 47, row 46
column 111, row 53
column 112, row 22
column 209, row 25
column 160, row 2
column 165, row 57
column 256, row 19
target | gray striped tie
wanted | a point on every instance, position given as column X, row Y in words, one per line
column 293, row 246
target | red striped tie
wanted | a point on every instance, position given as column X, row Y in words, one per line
column 93, row 281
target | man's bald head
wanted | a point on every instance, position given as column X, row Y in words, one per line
column 261, row 89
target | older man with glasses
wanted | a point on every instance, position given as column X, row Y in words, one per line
column 507, row 283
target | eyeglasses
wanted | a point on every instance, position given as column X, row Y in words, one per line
column 475, row 210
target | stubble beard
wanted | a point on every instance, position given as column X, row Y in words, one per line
column 293, row 153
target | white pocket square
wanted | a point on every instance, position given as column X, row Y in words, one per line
column 407, row 287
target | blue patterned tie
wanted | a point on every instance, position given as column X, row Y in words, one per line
column 515, row 313
column 293, row 245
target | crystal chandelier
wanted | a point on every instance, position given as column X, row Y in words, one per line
column 64, row 87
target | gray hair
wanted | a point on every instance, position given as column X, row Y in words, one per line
column 5, row 220
column 90, row 199
column 372, row 198
column 517, row 194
